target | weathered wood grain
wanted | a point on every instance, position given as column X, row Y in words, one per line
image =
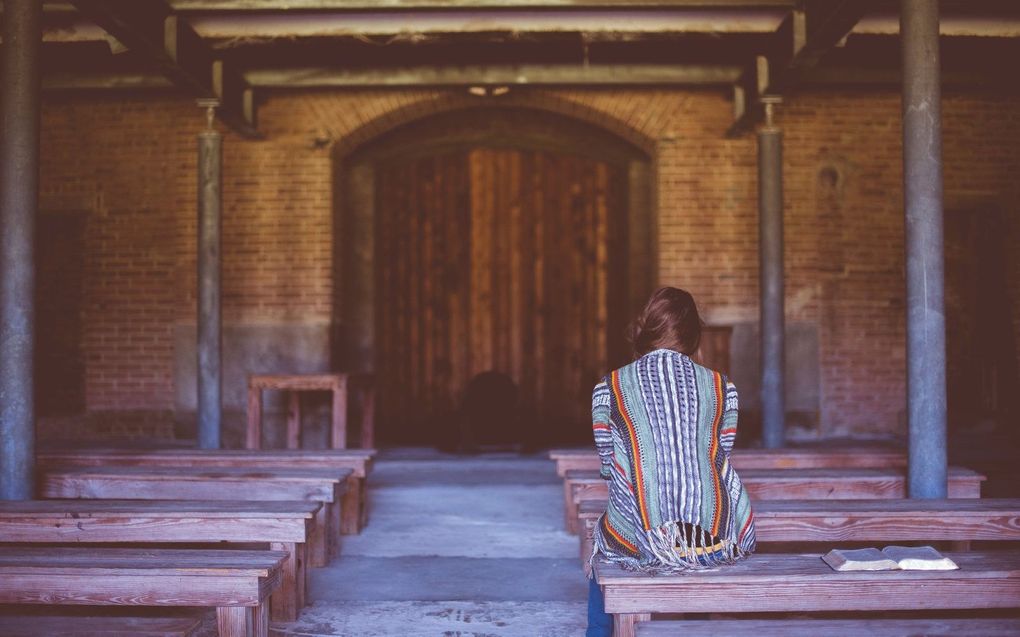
column 354, row 510
column 743, row 459
column 765, row 583
column 789, row 484
column 146, row 577
column 905, row 520
column 971, row 627
column 164, row 483
column 96, row 626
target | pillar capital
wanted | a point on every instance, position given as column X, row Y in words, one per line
column 769, row 104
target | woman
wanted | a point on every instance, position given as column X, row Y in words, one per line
column 664, row 427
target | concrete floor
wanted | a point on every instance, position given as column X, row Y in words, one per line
column 455, row 546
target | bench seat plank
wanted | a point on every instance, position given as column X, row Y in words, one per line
column 88, row 626
column 786, row 484
column 165, row 483
column 785, row 458
column 974, row 627
column 146, row 577
column 284, row 525
column 771, row 582
column 354, row 510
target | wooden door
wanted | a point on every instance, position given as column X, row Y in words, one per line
column 497, row 259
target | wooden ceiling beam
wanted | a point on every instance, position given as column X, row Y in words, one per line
column 278, row 6
column 150, row 29
column 536, row 75
column 803, row 38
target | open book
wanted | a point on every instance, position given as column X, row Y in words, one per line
column 891, row 558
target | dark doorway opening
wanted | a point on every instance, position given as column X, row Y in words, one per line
column 490, row 240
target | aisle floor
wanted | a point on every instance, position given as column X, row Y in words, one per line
column 455, row 546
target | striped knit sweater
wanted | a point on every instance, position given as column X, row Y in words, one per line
column 664, row 427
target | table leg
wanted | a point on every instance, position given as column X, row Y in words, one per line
column 294, row 420
column 350, row 507
column 253, row 437
column 284, row 600
column 318, row 555
column 237, row 622
column 340, row 414
column 623, row 623
column 569, row 510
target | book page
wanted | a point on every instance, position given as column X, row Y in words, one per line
column 919, row 558
column 859, row 560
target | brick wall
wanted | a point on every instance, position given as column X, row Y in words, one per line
column 129, row 164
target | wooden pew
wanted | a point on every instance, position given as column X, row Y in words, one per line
column 804, row 583
column 972, row 627
column 902, row 520
column 792, row 484
column 284, row 526
column 236, row 583
column 165, row 483
column 785, row 458
column 354, row 509
column 95, row 626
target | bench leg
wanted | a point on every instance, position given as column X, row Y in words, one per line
column 569, row 510
column 339, row 437
column 333, row 543
column 350, row 507
column 318, row 555
column 253, row 435
column 284, row 600
column 623, row 623
column 293, row 420
column 243, row 621
column 586, row 548
column 362, row 504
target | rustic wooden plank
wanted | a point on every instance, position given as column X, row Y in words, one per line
column 767, row 582
column 971, row 627
column 286, row 526
column 904, row 520
column 162, row 483
column 95, row 626
column 742, row 459
column 124, row 561
column 206, row 6
column 787, row 484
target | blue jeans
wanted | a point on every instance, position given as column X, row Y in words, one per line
column 600, row 623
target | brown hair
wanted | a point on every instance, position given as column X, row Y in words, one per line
column 670, row 320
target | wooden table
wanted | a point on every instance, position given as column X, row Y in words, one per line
column 789, row 484
column 786, row 458
column 236, row 583
column 282, row 525
column 339, row 385
column 353, row 512
column 804, row 583
column 163, row 483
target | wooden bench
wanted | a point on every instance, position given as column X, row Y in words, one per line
column 166, row 483
column 974, row 627
column 903, row 520
column 284, row 526
column 785, row 458
column 354, row 509
column 791, row 484
column 94, row 626
column 804, row 583
column 236, row 583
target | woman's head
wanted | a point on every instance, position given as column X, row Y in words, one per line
column 669, row 321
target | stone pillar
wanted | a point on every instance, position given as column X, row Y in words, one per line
column 922, row 195
column 19, row 201
column 770, row 237
column 210, row 373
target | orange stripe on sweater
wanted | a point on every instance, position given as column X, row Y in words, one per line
column 636, row 453
column 714, row 450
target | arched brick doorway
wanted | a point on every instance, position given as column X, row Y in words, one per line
column 506, row 239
